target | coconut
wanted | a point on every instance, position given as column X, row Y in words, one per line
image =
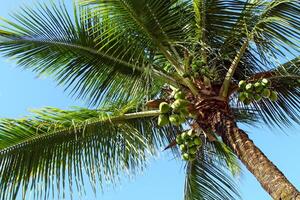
column 257, row 97
column 164, row 107
column 179, row 139
column 179, row 104
column 197, row 141
column 265, row 82
column 249, row 86
column 182, row 147
column 190, row 133
column 184, row 136
column 184, row 112
column 242, row 96
column 242, row 84
column 193, row 150
column 163, row 120
column 191, row 143
column 273, row 96
column 179, row 95
column 174, row 119
column 266, row 93
column 185, row 156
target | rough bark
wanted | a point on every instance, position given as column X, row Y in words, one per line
column 269, row 176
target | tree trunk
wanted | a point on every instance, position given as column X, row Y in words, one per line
column 269, row 176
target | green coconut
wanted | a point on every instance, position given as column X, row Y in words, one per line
column 164, row 107
column 185, row 156
column 184, row 112
column 183, row 147
column 179, row 139
column 249, row 87
column 191, row 143
column 163, row 120
column 266, row 93
column 184, row 136
column 242, row 96
column 193, row 150
column 265, row 82
column 242, row 84
column 190, row 133
column 273, row 96
column 197, row 141
column 175, row 119
column 257, row 97
column 179, row 95
column 258, row 87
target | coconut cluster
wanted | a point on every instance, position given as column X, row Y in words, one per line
column 189, row 144
column 199, row 68
column 249, row 92
column 175, row 113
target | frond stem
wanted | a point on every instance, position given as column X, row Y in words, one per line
column 116, row 119
column 226, row 83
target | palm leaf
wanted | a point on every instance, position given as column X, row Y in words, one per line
column 207, row 177
column 57, row 147
column 49, row 41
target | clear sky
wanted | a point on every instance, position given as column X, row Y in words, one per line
column 164, row 179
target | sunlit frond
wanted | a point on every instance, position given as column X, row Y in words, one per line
column 54, row 148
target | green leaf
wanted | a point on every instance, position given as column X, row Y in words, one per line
column 51, row 42
column 207, row 179
column 56, row 147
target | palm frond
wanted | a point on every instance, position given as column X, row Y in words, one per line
column 207, row 178
column 50, row 41
column 54, row 148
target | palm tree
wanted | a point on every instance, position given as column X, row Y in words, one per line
column 211, row 60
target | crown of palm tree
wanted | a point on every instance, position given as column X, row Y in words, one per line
column 119, row 54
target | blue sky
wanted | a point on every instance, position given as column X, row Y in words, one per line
column 164, row 179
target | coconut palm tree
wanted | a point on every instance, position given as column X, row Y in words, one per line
column 177, row 74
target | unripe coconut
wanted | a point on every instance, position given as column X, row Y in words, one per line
column 257, row 97
column 265, row 82
column 191, row 143
column 163, row 120
column 164, row 107
column 174, row 119
column 184, row 112
column 249, row 86
column 258, row 87
column 179, row 95
column 183, row 147
column 185, row 156
column 193, row 150
column 190, row 133
column 179, row 104
column 242, row 84
column 197, row 141
column 249, row 95
column 273, row 96
column 184, row 136
column 179, row 139
column 266, row 93
column 242, row 96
